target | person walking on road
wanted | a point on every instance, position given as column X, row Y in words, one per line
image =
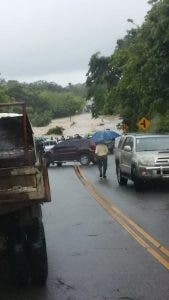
column 101, row 152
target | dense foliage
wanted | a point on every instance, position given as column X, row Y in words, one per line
column 45, row 101
column 134, row 80
column 56, row 130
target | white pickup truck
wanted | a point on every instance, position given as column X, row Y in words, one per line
column 142, row 158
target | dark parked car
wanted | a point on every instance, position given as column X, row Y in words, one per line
column 82, row 150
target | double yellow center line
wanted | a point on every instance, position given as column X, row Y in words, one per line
column 158, row 251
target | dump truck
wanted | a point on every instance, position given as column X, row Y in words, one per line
column 24, row 187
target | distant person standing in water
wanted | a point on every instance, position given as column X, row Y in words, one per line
column 62, row 138
column 102, row 152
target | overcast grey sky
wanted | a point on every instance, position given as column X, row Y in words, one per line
column 53, row 40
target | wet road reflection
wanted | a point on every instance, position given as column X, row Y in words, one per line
column 90, row 255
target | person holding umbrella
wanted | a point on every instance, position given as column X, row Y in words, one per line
column 101, row 153
column 106, row 135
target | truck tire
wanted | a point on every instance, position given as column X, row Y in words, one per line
column 138, row 183
column 37, row 253
column 59, row 164
column 121, row 180
column 18, row 260
column 84, row 159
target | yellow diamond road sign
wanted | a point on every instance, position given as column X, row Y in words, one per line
column 143, row 123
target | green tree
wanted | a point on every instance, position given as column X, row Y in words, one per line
column 100, row 79
column 140, row 64
column 44, row 100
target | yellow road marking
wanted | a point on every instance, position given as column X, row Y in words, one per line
column 157, row 250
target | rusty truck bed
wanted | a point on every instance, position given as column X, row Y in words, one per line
column 23, row 186
column 23, row 174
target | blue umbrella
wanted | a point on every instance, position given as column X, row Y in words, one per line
column 104, row 135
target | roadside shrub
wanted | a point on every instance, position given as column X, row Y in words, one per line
column 55, row 130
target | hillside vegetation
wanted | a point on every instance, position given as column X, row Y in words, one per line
column 45, row 101
column 134, row 80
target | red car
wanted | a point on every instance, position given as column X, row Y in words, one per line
column 82, row 150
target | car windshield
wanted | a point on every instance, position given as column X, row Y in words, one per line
column 152, row 144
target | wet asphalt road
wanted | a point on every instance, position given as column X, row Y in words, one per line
column 90, row 255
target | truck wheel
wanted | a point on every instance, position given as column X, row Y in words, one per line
column 121, row 180
column 37, row 253
column 84, row 159
column 138, row 183
column 19, row 263
column 59, row 164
